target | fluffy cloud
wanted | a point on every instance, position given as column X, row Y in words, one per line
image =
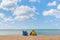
column 2, row 15
column 24, row 12
column 58, row 7
column 5, row 19
column 9, row 19
column 52, row 12
column 20, row 13
column 49, row 12
column 34, row 0
column 52, row 3
column 8, row 4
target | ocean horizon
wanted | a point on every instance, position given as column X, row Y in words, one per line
column 48, row 32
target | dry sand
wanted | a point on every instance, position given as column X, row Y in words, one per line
column 39, row 38
column 8, row 37
column 29, row 37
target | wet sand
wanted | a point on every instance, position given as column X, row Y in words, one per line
column 29, row 37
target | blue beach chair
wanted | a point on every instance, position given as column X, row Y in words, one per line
column 25, row 33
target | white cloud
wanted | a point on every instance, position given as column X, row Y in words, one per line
column 24, row 12
column 34, row 0
column 20, row 13
column 58, row 7
column 49, row 12
column 21, row 18
column 2, row 15
column 52, row 12
column 52, row 3
column 9, row 19
column 8, row 4
column 3, row 18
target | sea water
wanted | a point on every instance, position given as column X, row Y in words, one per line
column 48, row 32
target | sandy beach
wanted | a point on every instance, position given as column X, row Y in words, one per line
column 29, row 37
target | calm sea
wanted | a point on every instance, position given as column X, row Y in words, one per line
column 47, row 32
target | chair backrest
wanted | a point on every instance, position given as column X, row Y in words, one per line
column 25, row 33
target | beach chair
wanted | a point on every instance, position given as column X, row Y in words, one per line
column 25, row 33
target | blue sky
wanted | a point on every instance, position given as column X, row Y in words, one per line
column 29, row 14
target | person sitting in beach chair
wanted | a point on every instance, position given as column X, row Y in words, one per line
column 33, row 33
column 25, row 33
